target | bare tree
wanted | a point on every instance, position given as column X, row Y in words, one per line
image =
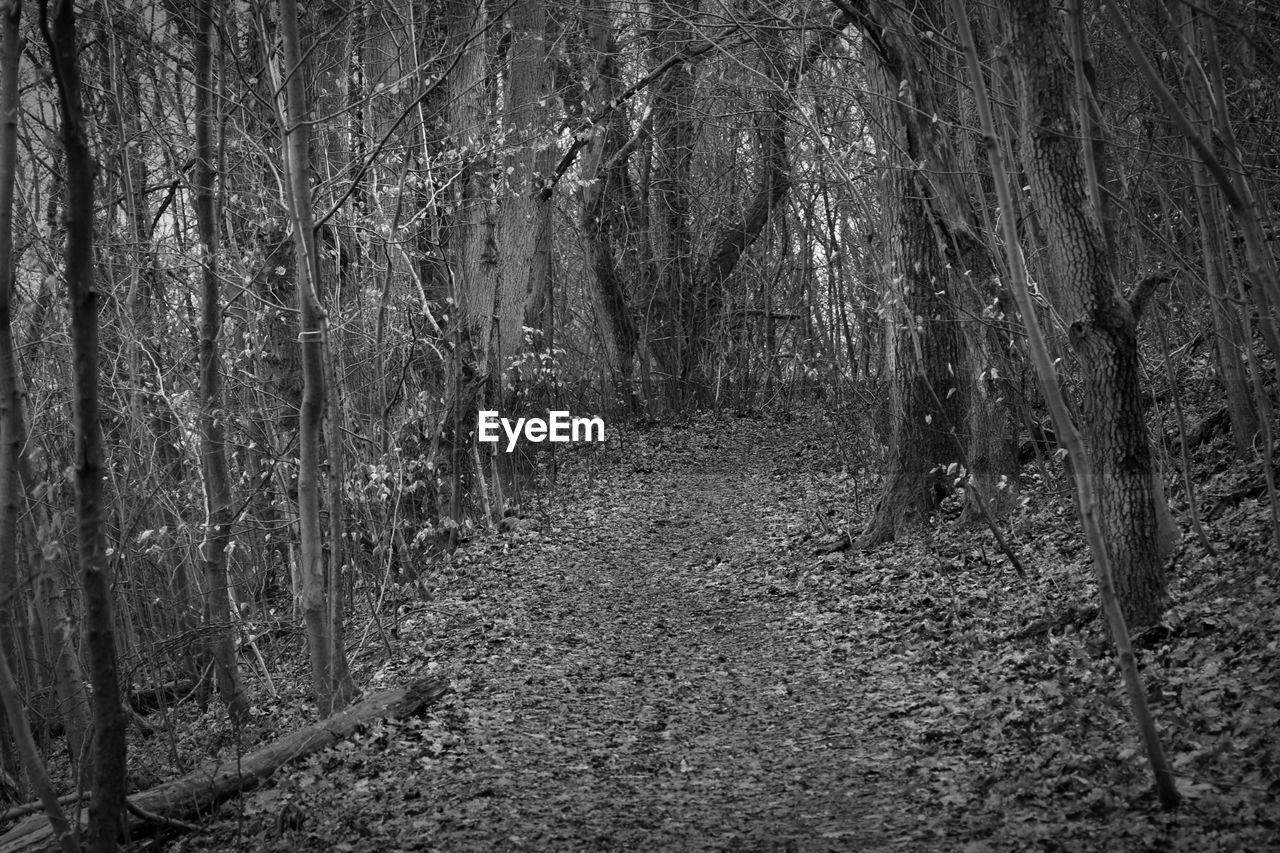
column 58, row 22
column 1100, row 323
column 923, row 346
column 331, row 689
column 13, row 428
column 213, row 451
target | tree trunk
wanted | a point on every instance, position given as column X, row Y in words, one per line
column 922, row 349
column 331, row 26
column 472, row 261
column 524, row 209
column 13, row 432
column 668, row 308
column 313, row 576
column 1229, row 335
column 213, row 450
column 922, row 345
column 472, row 238
column 1101, row 327
column 772, row 184
column 605, row 164
column 107, row 809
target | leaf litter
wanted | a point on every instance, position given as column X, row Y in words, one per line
column 670, row 660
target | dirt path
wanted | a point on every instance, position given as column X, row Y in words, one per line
column 668, row 666
column 646, row 677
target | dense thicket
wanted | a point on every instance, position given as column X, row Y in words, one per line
column 275, row 258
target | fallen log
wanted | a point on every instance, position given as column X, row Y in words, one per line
column 172, row 803
column 148, row 699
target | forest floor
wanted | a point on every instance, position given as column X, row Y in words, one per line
column 662, row 659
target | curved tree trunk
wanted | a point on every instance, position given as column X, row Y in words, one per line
column 1101, row 326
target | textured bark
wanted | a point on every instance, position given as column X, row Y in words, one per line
column 990, row 427
column 927, row 109
column 331, row 29
column 991, row 358
column 213, row 449
column 12, row 431
column 923, row 347
column 1166, row 785
column 109, row 769
column 605, row 161
column 525, row 210
column 1101, row 327
column 472, row 233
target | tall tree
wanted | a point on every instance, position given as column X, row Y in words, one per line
column 923, row 347
column 13, row 430
column 331, row 690
column 604, row 196
column 472, row 257
column 213, row 417
column 524, row 208
column 1211, row 221
column 17, row 473
column 669, row 291
column 1101, row 326
column 58, row 22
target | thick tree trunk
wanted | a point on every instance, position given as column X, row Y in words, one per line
column 923, row 347
column 107, row 809
column 1101, row 327
column 524, row 208
column 472, row 233
column 605, row 164
column 472, row 261
column 924, row 107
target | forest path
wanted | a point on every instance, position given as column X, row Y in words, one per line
column 655, row 694
column 667, row 665
column 656, row 671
